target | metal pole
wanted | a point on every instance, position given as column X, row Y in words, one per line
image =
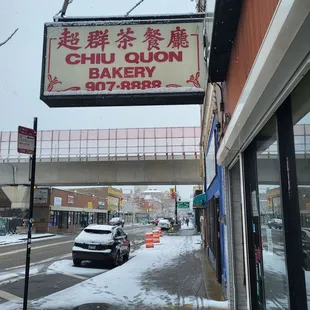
column 176, row 204
column 33, row 171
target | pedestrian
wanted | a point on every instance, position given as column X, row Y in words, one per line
column 187, row 221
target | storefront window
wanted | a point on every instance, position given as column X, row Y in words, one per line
column 270, row 208
column 70, row 218
column 302, row 155
column 269, row 276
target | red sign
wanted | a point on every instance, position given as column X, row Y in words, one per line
column 26, row 140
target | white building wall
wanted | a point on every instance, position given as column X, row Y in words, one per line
column 236, row 288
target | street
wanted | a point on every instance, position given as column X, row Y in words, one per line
column 51, row 266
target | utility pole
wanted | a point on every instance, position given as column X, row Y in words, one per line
column 176, row 204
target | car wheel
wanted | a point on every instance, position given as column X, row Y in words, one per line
column 77, row 262
column 118, row 260
column 126, row 256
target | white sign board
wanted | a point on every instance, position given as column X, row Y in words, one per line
column 124, row 58
column 57, row 201
column 26, row 140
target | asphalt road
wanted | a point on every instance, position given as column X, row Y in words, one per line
column 46, row 277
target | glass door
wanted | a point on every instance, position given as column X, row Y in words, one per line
column 254, row 229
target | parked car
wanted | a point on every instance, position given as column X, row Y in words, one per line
column 170, row 219
column 275, row 223
column 154, row 221
column 101, row 243
column 164, row 224
column 117, row 221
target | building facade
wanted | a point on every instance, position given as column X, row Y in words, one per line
column 112, row 196
column 215, row 230
column 259, row 94
column 71, row 210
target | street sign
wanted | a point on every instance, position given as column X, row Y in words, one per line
column 182, row 205
column 26, row 140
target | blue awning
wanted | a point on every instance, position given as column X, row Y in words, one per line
column 199, row 201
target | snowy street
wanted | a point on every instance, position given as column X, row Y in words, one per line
column 168, row 275
column 51, row 265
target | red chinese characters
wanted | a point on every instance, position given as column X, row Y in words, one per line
column 152, row 36
column 98, row 38
column 69, row 40
column 125, row 38
column 178, row 38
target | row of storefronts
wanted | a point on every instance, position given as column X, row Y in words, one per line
column 58, row 210
column 255, row 206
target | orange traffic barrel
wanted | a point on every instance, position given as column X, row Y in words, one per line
column 156, row 236
column 149, row 240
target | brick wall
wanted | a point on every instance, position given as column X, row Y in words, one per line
column 72, row 199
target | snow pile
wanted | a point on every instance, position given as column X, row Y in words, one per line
column 122, row 285
column 20, row 238
column 66, row 266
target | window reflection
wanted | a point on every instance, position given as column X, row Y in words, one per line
column 302, row 154
column 275, row 284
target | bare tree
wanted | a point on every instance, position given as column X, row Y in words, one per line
column 9, row 38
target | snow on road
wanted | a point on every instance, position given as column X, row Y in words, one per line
column 22, row 238
column 122, row 285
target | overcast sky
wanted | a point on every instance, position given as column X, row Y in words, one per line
column 20, row 67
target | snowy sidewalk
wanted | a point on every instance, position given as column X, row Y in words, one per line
column 167, row 276
column 185, row 227
column 21, row 238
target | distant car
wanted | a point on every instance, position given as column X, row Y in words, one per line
column 117, row 221
column 275, row 223
column 170, row 219
column 164, row 224
column 154, row 221
column 101, row 243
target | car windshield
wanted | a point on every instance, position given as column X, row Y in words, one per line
column 97, row 231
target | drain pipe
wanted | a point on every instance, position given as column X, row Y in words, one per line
column 14, row 173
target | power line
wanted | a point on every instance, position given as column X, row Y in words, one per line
column 138, row 3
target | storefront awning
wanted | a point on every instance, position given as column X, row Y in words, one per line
column 199, row 201
column 73, row 209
